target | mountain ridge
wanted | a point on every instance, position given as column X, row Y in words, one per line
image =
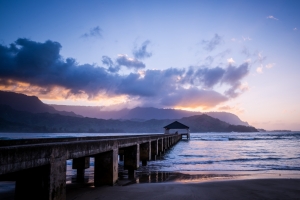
column 12, row 120
column 31, row 104
column 146, row 113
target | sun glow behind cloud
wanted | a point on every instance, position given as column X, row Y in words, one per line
column 40, row 70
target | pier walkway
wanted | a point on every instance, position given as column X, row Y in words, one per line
column 39, row 165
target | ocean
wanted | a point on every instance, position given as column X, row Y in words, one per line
column 233, row 152
column 214, row 153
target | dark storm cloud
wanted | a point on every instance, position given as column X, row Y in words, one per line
column 111, row 66
column 40, row 64
column 141, row 52
column 193, row 97
column 233, row 76
column 210, row 77
column 204, row 76
column 207, row 78
column 233, row 91
column 210, row 45
column 154, row 82
column 107, row 61
column 94, row 32
column 130, row 62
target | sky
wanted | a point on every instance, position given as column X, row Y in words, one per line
column 234, row 56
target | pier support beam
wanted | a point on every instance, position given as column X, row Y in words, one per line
column 145, row 153
column 166, row 143
column 80, row 164
column 106, row 168
column 160, row 146
column 154, row 149
column 132, row 159
column 45, row 182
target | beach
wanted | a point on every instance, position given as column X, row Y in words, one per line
column 184, row 186
column 208, row 166
column 229, row 189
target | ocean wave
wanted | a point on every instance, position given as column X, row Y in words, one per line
column 197, row 156
column 286, row 168
column 240, row 139
column 194, row 162
column 250, row 159
column 5, row 138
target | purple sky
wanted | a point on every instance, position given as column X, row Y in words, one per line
column 235, row 56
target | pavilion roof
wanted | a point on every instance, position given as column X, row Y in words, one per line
column 176, row 125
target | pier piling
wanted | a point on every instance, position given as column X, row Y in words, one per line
column 132, row 159
column 80, row 164
column 145, row 153
column 106, row 168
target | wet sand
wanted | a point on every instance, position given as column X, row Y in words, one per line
column 196, row 185
column 228, row 189
column 185, row 185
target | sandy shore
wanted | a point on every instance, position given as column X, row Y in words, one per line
column 232, row 189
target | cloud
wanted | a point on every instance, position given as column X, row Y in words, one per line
column 259, row 70
column 130, row 63
column 210, row 45
column 33, row 67
column 107, row 61
column 193, row 98
column 246, row 38
column 153, row 83
column 233, row 76
column 295, row 29
column 270, row 65
column 272, row 17
column 141, row 52
column 209, row 77
column 230, row 60
column 41, row 64
column 94, row 32
column 111, row 66
column 209, row 59
column 260, row 57
column 223, row 53
column 246, row 51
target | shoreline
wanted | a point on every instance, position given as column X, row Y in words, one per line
column 196, row 185
column 190, row 176
column 187, row 185
column 225, row 189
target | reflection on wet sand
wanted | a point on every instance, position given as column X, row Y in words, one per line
column 158, row 177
